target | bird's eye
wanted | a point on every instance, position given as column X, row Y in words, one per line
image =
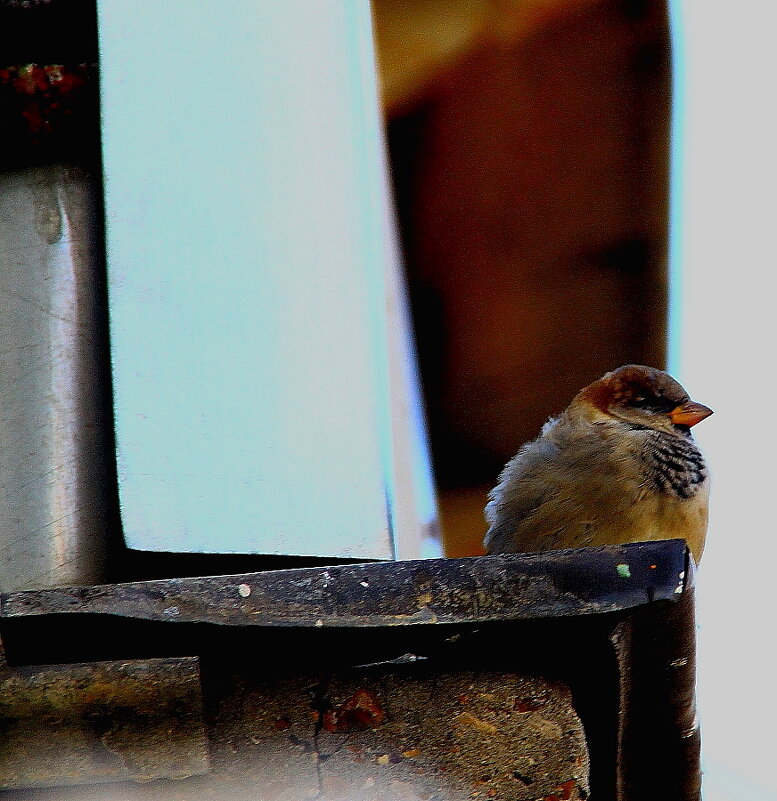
column 646, row 401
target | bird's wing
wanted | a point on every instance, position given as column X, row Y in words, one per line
column 521, row 493
column 567, row 491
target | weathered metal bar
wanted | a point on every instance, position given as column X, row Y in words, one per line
column 101, row 722
column 489, row 588
column 55, row 465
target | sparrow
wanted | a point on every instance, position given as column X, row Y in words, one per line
column 618, row 465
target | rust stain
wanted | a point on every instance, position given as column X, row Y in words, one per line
column 43, row 96
column 564, row 792
column 360, row 711
column 37, row 79
column 567, row 788
column 529, row 704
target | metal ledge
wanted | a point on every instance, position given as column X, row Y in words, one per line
column 478, row 589
column 615, row 625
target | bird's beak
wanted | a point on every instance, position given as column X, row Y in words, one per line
column 689, row 413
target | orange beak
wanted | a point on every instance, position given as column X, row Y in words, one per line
column 689, row 413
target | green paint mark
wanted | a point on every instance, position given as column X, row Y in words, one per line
column 623, row 571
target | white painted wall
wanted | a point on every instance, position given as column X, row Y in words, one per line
column 723, row 340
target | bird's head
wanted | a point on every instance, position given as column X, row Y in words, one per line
column 642, row 397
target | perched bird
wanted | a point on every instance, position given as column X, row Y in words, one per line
column 618, row 465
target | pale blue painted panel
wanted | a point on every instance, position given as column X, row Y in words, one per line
column 246, row 275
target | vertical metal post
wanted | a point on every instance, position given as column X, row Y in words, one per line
column 53, row 462
column 659, row 733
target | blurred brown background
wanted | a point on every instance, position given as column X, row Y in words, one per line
column 529, row 147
